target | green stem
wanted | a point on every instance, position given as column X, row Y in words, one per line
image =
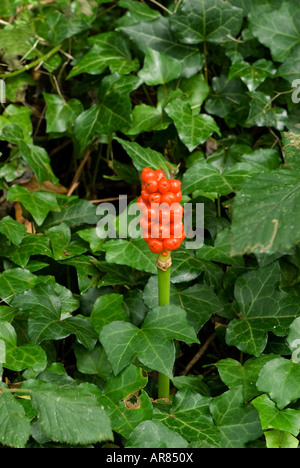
column 164, row 276
column 32, row 64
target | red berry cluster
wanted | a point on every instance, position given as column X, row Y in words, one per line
column 161, row 220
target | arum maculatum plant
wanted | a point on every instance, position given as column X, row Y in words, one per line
column 163, row 230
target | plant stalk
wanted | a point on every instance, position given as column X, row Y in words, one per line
column 164, row 276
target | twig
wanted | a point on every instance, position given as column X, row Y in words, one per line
column 32, row 64
column 199, row 354
column 103, row 200
column 75, row 183
column 162, row 6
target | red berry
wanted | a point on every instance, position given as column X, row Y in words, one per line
column 175, row 185
column 145, row 223
column 146, row 236
column 160, row 231
column 171, row 243
column 147, row 172
column 151, row 184
column 145, row 196
column 140, row 203
column 163, row 185
column 156, row 245
column 150, row 213
column 168, row 198
column 155, row 198
column 178, row 196
column 159, row 174
column 176, row 213
column 177, row 230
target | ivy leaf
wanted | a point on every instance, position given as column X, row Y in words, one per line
column 190, row 417
column 45, row 320
column 39, row 203
column 125, row 405
column 279, row 379
column 193, row 130
column 16, row 281
column 278, row 30
column 154, row 434
column 108, row 50
column 111, row 114
column 61, row 114
column 227, row 95
column 134, row 253
column 206, row 20
column 73, row 212
column 148, row 118
column 262, row 114
column 204, row 176
column 157, row 35
column 199, row 301
column 159, row 68
column 144, row 157
column 280, row 439
column 139, row 11
column 234, row 374
column 263, row 308
column 252, row 75
column 14, row 424
column 152, row 344
column 265, row 213
column 107, row 308
column 18, row 358
column 12, row 229
column 287, row 420
column 290, row 68
column 71, row 415
column 230, row 416
column 31, row 244
column 37, row 158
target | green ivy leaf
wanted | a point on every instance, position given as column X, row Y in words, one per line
column 262, row 114
column 108, row 50
column 18, row 358
column 199, row 301
column 63, row 415
column 111, row 114
column 280, row 439
column 190, row 417
column 270, row 201
column 193, row 130
column 234, row 374
column 230, row 415
column 61, row 114
column 278, row 30
column 134, row 253
column 107, row 308
column 39, row 203
column 206, row 20
column 14, row 424
column 154, row 434
column 159, row 68
column 252, row 75
column 152, row 344
column 263, row 308
column 287, row 420
column 12, row 229
column 144, row 157
column 279, row 379
column 125, row 405
column 157, row 35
